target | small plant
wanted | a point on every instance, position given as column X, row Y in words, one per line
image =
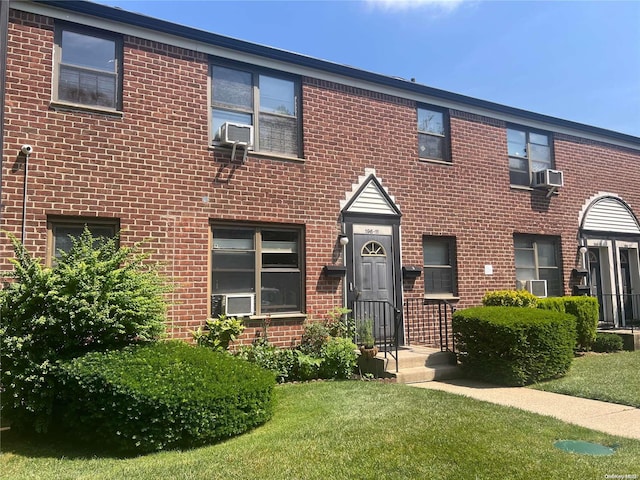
column 314, row 337
column 365, row 333
column 339, row 324
column 339, row 358
column 607, row 343
column 219, row 332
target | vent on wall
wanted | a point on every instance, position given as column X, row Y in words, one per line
column 536, row 287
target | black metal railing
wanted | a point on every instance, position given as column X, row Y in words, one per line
column 620, row 311
column 428, row 323
column 387, row 321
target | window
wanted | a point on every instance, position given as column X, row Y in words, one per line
column 439, row 266
column 62, row 231
column 88, row 68
column 433, row 131
column 265, row 262
column 538, row 258
column 529, row 152
column 270, row 103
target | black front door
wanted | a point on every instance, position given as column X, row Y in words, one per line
column 374, row 289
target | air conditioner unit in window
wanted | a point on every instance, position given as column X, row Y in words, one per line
column 536, row 287
column 239, row 304
column 548, row 179
column 236, row 134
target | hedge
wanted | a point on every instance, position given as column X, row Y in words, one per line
column 168, row 394
column 586, row 311
column 513, row 345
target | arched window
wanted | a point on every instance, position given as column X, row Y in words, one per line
column 373, row 249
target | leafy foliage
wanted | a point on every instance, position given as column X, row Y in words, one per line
column 585, row 309
column 97, row 296
column 219, row 332
column 320, row 354
column 514, row 346
column 167, row 394
column 339, row 358
column 509, row 298
column 608, row 342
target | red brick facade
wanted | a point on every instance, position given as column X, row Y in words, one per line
column 152, row 169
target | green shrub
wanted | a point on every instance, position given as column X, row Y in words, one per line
column 514, row 346
column 280, row 361
column 585, row 309
column 167, row 394
column 97, row 296
column 314, row 336
column 339, row 324
column 608, row 342
column 219, row 332
column 509, row 298
column 339, row 358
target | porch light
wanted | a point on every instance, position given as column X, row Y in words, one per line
column 343, row 239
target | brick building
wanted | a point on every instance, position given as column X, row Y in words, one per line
column 279, row 186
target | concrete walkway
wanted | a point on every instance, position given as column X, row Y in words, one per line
column 619, row 420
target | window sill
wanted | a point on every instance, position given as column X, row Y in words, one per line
column 267, row 155
column 441, row 296
column 435, row 162
column 76, row 107
column 279, row 316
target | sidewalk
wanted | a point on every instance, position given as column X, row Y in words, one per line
column 611, row 418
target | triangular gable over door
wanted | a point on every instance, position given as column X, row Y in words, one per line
column 369, row 197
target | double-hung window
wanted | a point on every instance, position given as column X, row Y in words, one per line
column 88, row 68
column 61, row 232
column 267, row 101
column 433, row 133
column 259, row 262
column 538, row 258
column 439, row 266
column 529, row 152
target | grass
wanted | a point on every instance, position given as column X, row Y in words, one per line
column 612, row 377
column 342, row 430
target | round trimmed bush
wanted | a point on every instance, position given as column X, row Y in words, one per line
column 513, row 345
column 607, row 343
column 168, row 394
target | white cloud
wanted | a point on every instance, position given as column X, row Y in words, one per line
column 444, row 6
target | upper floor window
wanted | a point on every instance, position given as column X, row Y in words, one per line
column 61, row 232
column 270, row 103
column 439, row 266
column 538, row 258
column 88, row 68
column 261, row 265
column 433, row 132
column 529, row 151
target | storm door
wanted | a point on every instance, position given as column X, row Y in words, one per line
column 596, row 278
column 374, row 282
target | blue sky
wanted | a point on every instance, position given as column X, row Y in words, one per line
column 574, row 60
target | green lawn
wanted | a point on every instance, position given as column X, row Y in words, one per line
column 612, row 377
column 354, row 430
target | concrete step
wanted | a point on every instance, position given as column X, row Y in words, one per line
column 422, row 364
column 428, row 374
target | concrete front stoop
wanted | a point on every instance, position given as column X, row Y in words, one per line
column 422, row 364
